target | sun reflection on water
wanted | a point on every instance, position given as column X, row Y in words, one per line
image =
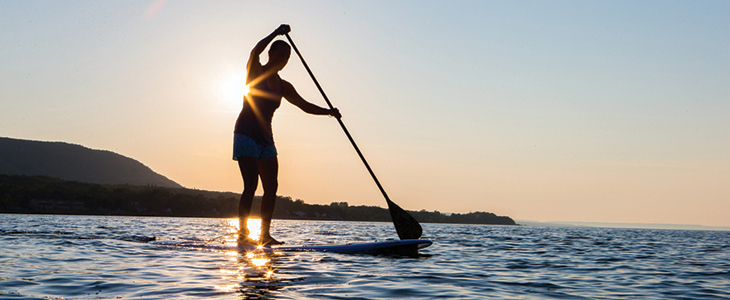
column 260, row 262
column 259, row 259
column 254, row 272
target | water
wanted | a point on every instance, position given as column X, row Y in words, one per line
column 90, row 257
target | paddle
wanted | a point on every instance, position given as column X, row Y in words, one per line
column 406, row 226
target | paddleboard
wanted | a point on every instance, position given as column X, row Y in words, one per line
column 400, row 247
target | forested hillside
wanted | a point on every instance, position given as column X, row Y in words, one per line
column 36, row 194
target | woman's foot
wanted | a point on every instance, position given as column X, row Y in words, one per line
column 270, row 241
column 244, row 240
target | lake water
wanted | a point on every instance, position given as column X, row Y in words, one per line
column 95, row 257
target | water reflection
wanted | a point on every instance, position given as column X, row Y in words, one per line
column 257, row 274
column 258, row 261
column 254, row 274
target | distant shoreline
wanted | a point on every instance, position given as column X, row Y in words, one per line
column 253, row 216
column 47, row 195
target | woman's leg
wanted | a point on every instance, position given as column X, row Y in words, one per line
column 249, row 171
column 269, row 172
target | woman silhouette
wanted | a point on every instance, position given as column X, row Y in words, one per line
column 253, row 143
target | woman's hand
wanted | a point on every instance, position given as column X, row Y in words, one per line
column 335, row 113
column 283, row 29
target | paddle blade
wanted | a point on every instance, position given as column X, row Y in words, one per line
column 406, row 226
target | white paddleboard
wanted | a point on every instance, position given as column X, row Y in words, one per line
column 402, row 247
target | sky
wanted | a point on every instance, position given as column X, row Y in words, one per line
column 584, row 111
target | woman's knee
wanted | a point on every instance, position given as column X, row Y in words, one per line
column 271, row 186
column 250, row 186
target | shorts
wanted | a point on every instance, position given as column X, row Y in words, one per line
column 243, row 146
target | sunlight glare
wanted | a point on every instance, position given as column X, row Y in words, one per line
column 234, row 87
column 153, row 9
column 253, row 224
column 259, row 262
column 254, row 228
column 228, row 288
column 228, row 272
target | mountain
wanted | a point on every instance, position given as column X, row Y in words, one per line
column 75, row 163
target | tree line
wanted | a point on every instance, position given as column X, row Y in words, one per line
column 46, row 195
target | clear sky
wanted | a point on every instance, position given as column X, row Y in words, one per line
column 595, row 111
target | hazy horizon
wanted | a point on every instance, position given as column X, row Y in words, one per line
column 622, row 225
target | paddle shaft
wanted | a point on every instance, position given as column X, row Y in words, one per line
column 352, row 141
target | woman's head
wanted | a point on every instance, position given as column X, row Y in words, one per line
column 279, row 53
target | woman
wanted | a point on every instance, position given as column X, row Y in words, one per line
column 253, row 145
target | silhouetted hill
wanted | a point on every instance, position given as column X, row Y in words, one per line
column 75, row 163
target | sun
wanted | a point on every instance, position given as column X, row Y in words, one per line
column 233, row 87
